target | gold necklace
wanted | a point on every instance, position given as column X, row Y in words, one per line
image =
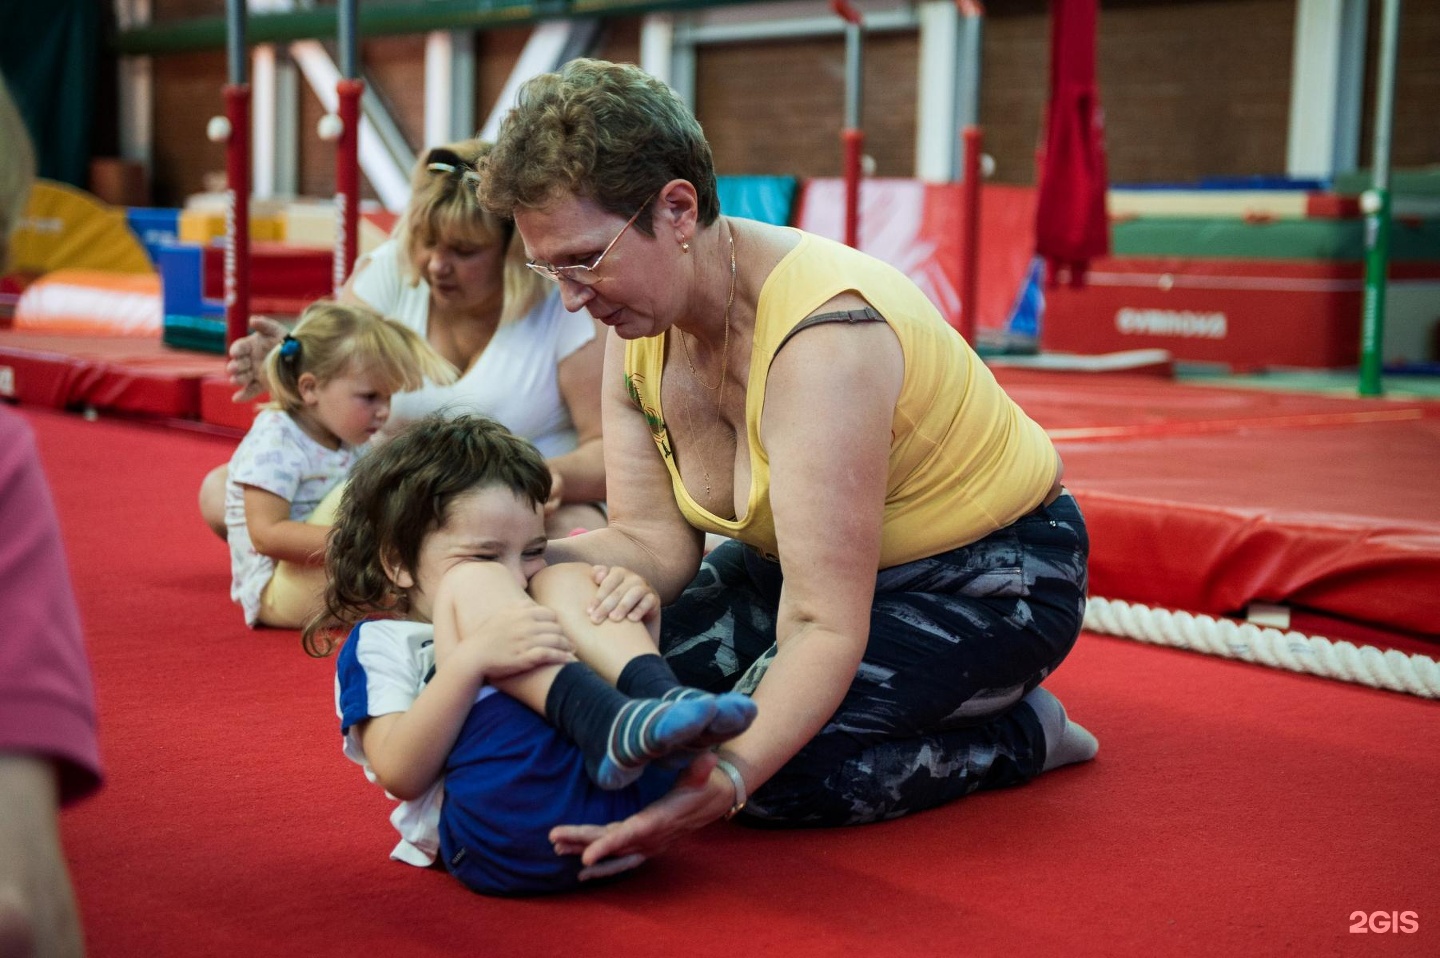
column 725, row 349
column 724, row 367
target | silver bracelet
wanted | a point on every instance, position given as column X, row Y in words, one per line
column 736, row 779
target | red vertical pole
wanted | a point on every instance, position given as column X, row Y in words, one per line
column 237, row 213
column 852, row 138
column 854, row 141
column 347, row 179
column 970, row 236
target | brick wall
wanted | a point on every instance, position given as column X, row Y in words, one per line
column 1191, row 88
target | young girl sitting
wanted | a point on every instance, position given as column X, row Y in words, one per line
column 463, row 638
column 330, row 383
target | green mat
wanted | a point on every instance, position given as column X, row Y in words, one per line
column 195, row 333
column 1422, row 182
column 1308, row 239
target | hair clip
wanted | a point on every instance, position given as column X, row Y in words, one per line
column 289, row 347
column 444, row 160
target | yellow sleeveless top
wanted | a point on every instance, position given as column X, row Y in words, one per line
column 964, row 459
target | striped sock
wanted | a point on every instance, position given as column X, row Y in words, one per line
column 647, row 677
column 733, row 713
column 646, row 730
column 618, row 735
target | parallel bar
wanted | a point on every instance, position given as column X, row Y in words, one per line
column 320, row 23
column 348, row 91
column 852, row 137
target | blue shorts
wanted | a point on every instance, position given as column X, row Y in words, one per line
column 512, row 777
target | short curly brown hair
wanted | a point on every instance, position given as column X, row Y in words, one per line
column 607, row 131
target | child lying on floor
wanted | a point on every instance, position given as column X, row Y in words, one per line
column 463, row 643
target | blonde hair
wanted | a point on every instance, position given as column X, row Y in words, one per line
column 332, row 339
column 443, row 203
column 17, row 169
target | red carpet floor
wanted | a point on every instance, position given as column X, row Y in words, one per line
column 1232, row 810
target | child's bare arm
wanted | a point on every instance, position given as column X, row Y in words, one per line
column 483, row 632
column 275, row 534
column 407, row 749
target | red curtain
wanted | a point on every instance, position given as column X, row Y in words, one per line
column 1070, row 221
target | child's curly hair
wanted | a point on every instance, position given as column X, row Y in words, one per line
column 400, row 493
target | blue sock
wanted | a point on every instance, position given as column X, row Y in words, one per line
column 647, row 677
column 618, row 735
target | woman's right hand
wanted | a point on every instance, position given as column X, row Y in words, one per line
column 246, row 367
column 700, row 796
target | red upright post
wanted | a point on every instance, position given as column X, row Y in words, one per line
column 854, row 141
column 237, row 213
column 348, row 90
column 970, row 236
column 852, row 138
column 237, row 175
column 347, row 179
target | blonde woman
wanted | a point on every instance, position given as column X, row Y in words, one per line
column 456, row 275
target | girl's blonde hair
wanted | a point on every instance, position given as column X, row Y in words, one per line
column 443, row 203
column 332, row 339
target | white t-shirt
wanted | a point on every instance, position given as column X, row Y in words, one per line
column 381, row 669
column 515, row 381
column 276, row 455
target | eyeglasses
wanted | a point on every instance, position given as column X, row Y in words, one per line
column 585, row 275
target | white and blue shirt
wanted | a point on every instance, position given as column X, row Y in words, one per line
column 381, row 670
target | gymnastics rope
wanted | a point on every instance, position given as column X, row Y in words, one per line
column 1364, row 665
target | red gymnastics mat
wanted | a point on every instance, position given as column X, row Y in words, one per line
column 118, row 374
column 1201, row 498
column 1233, row 809
column 1205, row 499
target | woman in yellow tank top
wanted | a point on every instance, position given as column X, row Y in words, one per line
column 902, row 567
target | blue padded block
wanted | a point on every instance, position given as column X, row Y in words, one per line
column 769, row 199
column 182, row 272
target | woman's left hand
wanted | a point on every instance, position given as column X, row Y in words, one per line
column 697, row 799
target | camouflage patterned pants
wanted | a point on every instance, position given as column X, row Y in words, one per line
column 956, row 640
